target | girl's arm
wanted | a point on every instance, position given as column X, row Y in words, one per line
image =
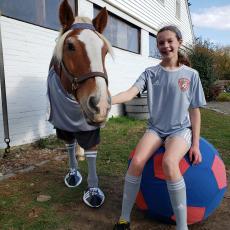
column 125, row 95
column 194, row 151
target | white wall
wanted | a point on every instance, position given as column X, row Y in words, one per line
column 27, row 50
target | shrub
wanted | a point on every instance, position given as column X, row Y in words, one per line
column 224, row 96
column 202, row 59
column 215, row 91
column 227, row 87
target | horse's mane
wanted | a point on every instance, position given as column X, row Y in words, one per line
column 62, row 35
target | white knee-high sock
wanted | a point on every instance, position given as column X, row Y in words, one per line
column 71, row 149
column 92, row 179
column 131, row 188
column 177, row 194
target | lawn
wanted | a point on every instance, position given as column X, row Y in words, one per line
column 19, row 208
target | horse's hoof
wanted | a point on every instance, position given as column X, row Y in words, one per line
column 73, row 179
column 93, row 197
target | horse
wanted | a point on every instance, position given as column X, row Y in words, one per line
column 77, row 88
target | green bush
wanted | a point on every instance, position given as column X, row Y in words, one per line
column 223, row 97
column 202, row 59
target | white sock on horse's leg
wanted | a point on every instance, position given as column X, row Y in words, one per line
column 92, row 179
column 71, row 149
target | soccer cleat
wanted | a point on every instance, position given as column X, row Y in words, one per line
column 93, row 197
column 122, row 225
column 73, row 178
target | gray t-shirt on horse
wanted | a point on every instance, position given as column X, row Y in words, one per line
column 170, row 94
column 65, row 111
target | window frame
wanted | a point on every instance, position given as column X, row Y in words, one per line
column 41, row 13
column 156, row 53
column 122, row 20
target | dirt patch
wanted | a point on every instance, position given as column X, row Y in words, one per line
column 82, row 217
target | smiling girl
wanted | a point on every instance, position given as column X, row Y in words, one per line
column 174, row 93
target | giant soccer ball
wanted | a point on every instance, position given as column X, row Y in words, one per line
column 206, row 184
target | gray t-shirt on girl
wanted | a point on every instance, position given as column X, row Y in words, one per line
column 65, row 111
column 170, row 93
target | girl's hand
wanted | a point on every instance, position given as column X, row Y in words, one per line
column 195, row 155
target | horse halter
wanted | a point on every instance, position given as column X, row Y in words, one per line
column 74, row 79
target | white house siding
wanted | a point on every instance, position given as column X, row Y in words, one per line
column 27, row 50
column 155, row 14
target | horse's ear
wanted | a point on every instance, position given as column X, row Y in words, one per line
column 66, row 15
column 100, row 20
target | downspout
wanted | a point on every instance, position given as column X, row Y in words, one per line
column 4, row 100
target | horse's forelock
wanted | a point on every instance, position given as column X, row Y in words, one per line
column 82, row 20
column 59, row 45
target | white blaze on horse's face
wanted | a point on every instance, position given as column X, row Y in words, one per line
column 93, row 47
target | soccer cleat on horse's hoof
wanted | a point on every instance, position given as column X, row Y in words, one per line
column 122, row 225
column 73, row 179
column 93, row 197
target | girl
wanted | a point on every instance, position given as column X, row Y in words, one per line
column 174, row 96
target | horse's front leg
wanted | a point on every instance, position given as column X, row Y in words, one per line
column 93, row 196
column 73, row 178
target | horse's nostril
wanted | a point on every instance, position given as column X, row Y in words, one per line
column 93, row 104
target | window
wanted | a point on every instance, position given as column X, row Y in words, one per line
column 178, row 6
column 153, row 50
column 121, row 33
column 39, row 12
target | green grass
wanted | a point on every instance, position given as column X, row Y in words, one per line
column 216, row 129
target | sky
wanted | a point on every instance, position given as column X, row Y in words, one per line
column 211, row 20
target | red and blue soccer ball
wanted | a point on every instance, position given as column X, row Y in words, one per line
column 206, row 184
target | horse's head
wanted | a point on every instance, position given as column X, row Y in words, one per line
column 80, row 54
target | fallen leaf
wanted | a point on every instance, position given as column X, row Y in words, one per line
column 43, row 198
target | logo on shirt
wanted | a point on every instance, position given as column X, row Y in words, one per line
column 183, row 84
column 157, row 82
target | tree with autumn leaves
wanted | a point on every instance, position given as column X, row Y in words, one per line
column 212, row 63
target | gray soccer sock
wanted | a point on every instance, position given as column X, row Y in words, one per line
column 177, row 194
column 71, row 149
column 131, row 188
column 92, row 179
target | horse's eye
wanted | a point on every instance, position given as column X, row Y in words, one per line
column 70, row 46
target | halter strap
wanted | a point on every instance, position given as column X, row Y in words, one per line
column 82, row 26
column 75, row 80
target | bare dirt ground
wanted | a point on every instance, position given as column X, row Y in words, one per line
column 23, row 160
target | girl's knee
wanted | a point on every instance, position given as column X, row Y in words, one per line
column 170, row 166
column 136, row 166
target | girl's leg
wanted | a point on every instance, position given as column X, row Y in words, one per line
column 145, row 148
column 176, row 147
